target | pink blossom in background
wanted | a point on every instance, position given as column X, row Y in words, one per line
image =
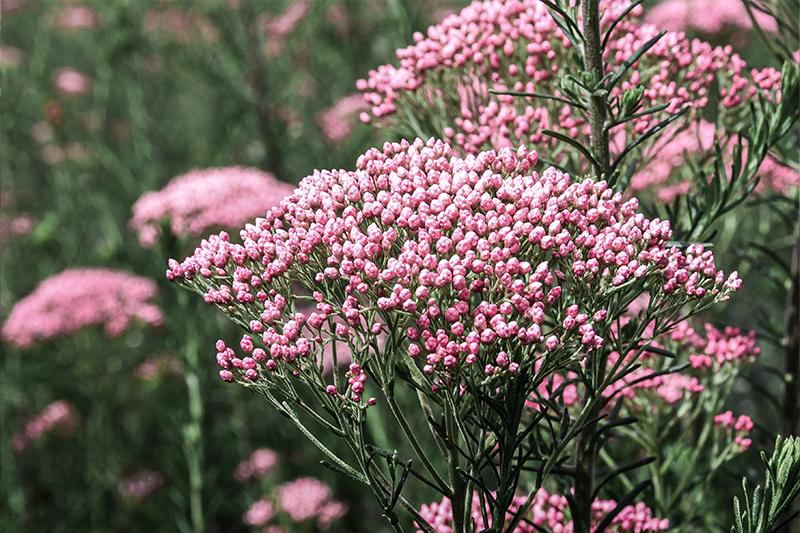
column 727, row 346
column 278, row 28
column 309, row 498
column 158, row 366
column 671, row 388
column 329, row 513
column 739, row 428
column 9, row 6
column 707, row 16
column 15, row 226
column 260, row 463
column 70, row 82
column 204, row 199
column 10, row 56
column 337, row 16
column 259, row 513
column 140, row 485
column 670, row 153
column 79, row 298
column 548, row 512
column 696, row 142
column 77, row 17
column 337, row 121
column 57, row 415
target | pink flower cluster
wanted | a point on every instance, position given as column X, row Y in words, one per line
column 336, row 122
column 671, row 388
column 77, row 17
column 707, row 16
column 278, row 28
column 140, row 485
column 204, row 199
column 157, row 366
column 260, row 463
column 696, row 142
column 415, row 232
column 78, row 298
column 308, row 498
column 57, row 415
column 728, row 346
column 739, row 428
column 260, row 512
column 15, row 226
column 548, row 512
column 69, row 82
column 516, row 45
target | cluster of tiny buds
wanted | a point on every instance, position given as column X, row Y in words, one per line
column 417, row 231
column 518, row 46
column 739, row 427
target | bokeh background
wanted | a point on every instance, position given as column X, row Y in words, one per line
column 103, row 101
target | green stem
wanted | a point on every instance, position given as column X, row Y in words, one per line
column 593, row 64
column 409, row 433
column 193, row 438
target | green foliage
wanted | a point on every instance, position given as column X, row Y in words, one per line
column 763, row 511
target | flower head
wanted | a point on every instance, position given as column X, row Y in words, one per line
column 468, row 256
column 444, row 80
column 260, row 463
column 308, row 498
column 79, row 298
column 141, row 484
column 70, row 82
column 58, row 415
column 204, row 199
column 336, row 122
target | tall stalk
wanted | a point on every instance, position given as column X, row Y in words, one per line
column 593, row 65
column 193, row 431
column 585, row 443
column 790, row 408
column 193, row 438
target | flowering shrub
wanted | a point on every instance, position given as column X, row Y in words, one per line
column 447, row 76
column 489, row 268
column 78, row 298
column 513, row 328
